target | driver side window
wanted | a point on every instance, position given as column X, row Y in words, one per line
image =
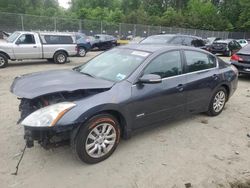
column 26, row 39
column 165, row 65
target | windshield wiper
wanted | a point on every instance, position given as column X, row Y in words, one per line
column 85, row 73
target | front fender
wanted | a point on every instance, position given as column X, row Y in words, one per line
column 8, row 52
column 85, row 108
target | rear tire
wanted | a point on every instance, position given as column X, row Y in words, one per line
column 217, row 102
column 3, row 61
column 97, row 139
column 60, row 57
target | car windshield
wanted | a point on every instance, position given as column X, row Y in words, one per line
column 13, row 37
column 157, row 39
column 114, row 65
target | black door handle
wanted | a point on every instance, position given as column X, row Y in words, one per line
column 180, row 87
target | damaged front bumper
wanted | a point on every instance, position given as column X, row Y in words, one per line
column 48, row 137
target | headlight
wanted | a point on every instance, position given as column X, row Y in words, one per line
column 47, row 116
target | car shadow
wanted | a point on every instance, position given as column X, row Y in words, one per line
column 28, row 63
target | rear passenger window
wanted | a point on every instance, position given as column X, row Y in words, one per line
column 165, row 65
column 197, row 61
column 56, row 39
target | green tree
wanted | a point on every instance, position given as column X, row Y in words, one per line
column 244, row 18
column 172, row 17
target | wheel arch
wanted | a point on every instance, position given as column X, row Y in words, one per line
column 82, row 46
column 1, row 52
column 227, row 89
column 120, row 116
column 61, row 50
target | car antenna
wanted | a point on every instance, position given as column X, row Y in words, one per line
column 17, row 166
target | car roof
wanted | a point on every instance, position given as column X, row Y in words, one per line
column 175, row 35
column 46, row 33
column 102, row 35
column 157, row 47
column 224, row 41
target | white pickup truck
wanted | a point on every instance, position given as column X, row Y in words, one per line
column 52, row 46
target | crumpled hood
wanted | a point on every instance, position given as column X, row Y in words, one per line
column 37, row 84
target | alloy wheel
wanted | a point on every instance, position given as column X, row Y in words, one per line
column 82, row 52
column 219, row 101
column 61, row 58
column 100, row 140
column 2, row 61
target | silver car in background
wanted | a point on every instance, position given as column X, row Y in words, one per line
column 53, row 46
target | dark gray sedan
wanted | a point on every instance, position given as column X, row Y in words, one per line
column 118, row 92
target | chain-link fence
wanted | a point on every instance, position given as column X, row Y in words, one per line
column 11, row 22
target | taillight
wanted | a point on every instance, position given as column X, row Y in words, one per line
column 235, row 69
column 235, row 57
column 77, row 48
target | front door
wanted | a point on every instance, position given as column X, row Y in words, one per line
column 26, row 47
column 152, row 103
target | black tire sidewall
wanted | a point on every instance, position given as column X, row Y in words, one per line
column 211, row 111
column 5, row 61
column 59, row 53
column 80, row 139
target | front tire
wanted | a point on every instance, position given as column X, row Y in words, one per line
column 82, row 52
column 3, row 61
column 60, row 57
column 98, row 139
column 217, row 102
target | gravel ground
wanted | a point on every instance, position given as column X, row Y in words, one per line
column 204, row 151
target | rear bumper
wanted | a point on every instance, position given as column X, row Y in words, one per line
column 242, row 67
column 218, row 50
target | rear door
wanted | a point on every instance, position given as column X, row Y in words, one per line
column 202, row 77
column 156, row 102
column 26, row 47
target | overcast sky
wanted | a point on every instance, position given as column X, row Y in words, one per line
column 64, row 3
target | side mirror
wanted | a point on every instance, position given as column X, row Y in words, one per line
column 150, row 79
column 18, row 42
